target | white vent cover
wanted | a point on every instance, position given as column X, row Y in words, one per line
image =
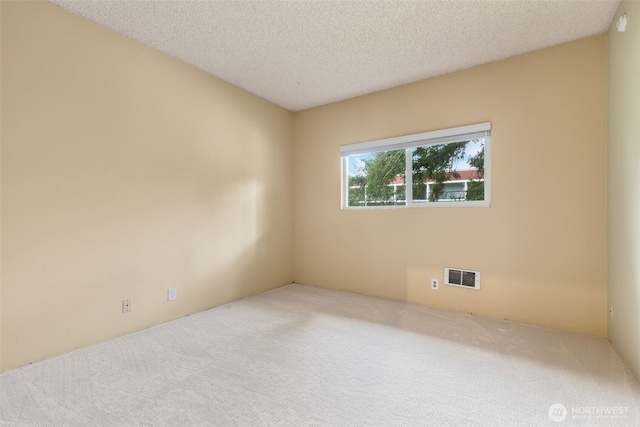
column 462, row 278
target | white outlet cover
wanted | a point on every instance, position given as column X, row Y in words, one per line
column 172, row 294
column 435, row 284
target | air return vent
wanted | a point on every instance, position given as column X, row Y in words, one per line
column 463, row 278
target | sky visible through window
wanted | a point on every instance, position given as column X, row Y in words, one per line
column 357, row 163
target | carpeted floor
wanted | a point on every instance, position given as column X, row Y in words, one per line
column 303, row 356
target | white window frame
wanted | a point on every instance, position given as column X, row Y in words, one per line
column 409, row 142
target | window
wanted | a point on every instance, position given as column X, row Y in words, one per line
column 447, row 167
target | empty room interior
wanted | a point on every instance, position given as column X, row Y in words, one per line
column 281, row 213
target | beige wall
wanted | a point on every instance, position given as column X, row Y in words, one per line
column 124, row 173
column 541, row 246
column 623, row 196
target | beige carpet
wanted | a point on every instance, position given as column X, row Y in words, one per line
column 303, row 356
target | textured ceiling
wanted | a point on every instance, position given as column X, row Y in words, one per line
column 301, row 54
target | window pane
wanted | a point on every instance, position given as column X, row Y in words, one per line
column 448, row 172
column 377, row 179
column 442, row 167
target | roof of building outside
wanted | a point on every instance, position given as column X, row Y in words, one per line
column 465, row 175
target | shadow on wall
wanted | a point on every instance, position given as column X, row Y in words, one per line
column 126, row 172
column 553, row 304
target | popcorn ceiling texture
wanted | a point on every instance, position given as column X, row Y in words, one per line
column 304, row 54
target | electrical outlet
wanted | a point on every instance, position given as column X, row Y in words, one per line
column 171, row 294
column 611, row 310
column 126, row 305
column 435, row 284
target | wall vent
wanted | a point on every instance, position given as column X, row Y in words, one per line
column 462, row 278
